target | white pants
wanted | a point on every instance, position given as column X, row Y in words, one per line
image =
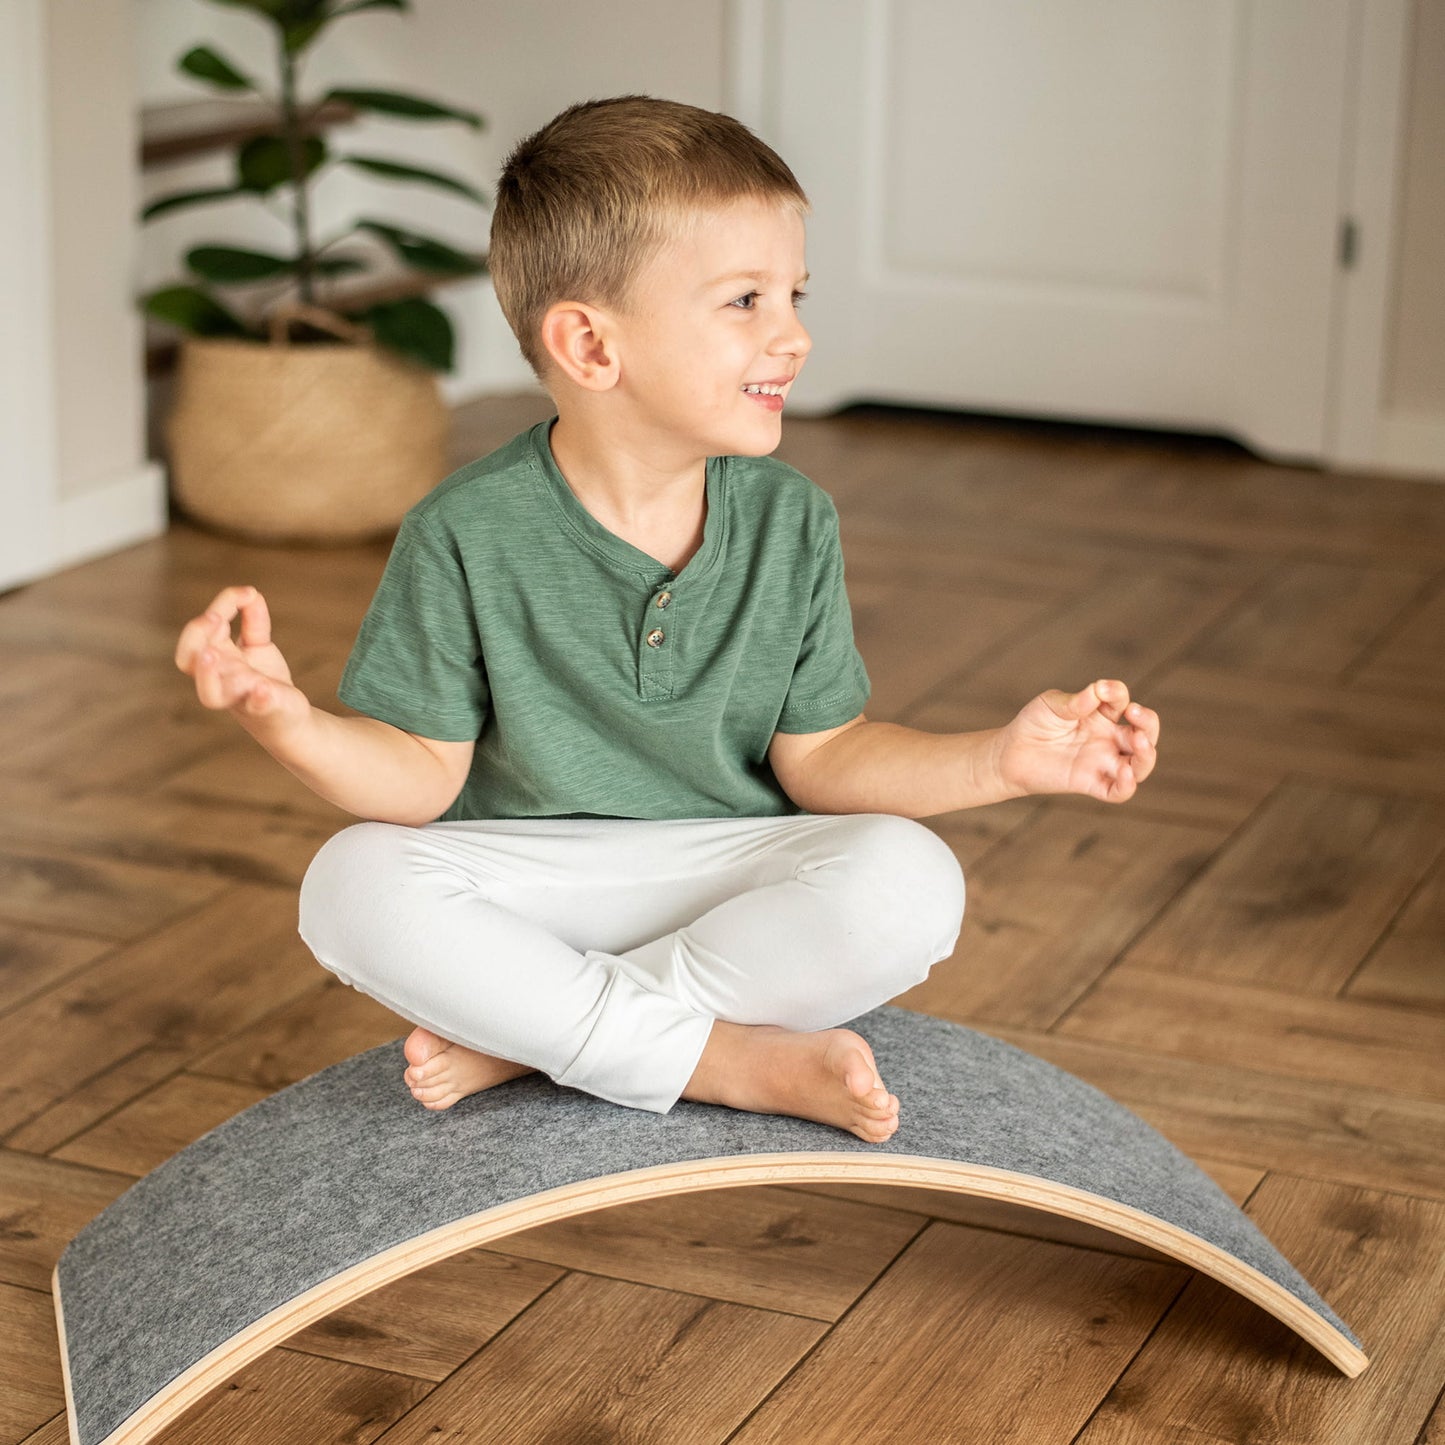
column 600, row 950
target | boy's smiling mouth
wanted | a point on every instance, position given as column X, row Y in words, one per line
column 768, row 394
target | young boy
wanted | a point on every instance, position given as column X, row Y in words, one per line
column 628, row 823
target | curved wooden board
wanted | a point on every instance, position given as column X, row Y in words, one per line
column 341, row 1183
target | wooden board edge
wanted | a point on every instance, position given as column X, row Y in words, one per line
column 70, row 1422
column 662, row 1180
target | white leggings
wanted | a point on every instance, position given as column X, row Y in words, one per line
column 600, row 950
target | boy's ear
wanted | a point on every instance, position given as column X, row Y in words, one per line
column 579, row 339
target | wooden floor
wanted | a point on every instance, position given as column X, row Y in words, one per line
column 1249, row 955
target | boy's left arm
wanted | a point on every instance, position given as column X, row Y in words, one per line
column 1097, row 742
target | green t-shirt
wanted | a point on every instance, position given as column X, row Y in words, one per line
column 595, row 681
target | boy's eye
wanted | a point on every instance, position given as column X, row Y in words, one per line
column 738, row 301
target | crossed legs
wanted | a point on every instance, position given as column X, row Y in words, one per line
column 641, row 960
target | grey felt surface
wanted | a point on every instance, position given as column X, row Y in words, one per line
column 346, row 1164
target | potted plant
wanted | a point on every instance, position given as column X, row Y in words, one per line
column 312, row 417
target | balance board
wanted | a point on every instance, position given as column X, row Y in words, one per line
column 342, row 1183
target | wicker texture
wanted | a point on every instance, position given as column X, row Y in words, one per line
column 320, row 443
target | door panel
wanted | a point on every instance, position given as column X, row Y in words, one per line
column 1126, row 211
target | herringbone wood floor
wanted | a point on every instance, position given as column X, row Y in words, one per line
column 1249, row 955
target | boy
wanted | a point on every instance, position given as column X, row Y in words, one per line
column 628, row 823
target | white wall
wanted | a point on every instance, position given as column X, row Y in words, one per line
column 74, row 479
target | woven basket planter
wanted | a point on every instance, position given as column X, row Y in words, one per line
column 323, row 443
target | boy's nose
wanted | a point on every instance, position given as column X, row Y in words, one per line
column 793, row 340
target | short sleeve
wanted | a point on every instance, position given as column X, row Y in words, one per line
column 417, row 662
column 830, row 683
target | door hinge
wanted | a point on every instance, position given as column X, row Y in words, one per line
column 1349, row 243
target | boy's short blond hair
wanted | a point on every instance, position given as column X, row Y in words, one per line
column 584, row 203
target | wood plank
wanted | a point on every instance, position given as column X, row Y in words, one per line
column 1005, row 1216
column 1296, row 899
column 1125, row 628
column 147, row 1131
column 1030, row 574
column 895, row 1369
column 1234, row 723
column 1377, row 1046
column 430, row 1323
column 316, row 1029
column 56, row 1432
column 1310, row 618
column 288, row 1398
column 97, row 1098
column 240, row 773
column 1223, row 496
column 972, row 832
column 162, row 829
column 1411, row 659
column 55, row 887
column 1433, row 1431
column 240, row 958
column 601, row 1359
column 34, row 1388
column 44, row 1204
column 1255, row 1118
column 1405, row 965
column 759, row 1246
column 1051, row 907
column 959, row 628
column 34, row 959
column 135, row 738
column 1219, row 1372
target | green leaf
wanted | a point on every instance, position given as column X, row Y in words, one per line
column 265, row 162
column 423, row 252
column 271, row 9
column 298, row 37
column 192, row 310
column 340, row 265
column 206, row 64
column 356, row 5
column 229, row 264
column 413, row 328
column 408, row 107
column 188, row 198
column 395, row 171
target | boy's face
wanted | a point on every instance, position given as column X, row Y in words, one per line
column 714, row 311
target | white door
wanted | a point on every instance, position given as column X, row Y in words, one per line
column 1117, row 210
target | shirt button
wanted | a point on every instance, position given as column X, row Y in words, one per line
column 654, row 638
column 664, row 598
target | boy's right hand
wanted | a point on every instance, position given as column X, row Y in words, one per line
column 250, row 679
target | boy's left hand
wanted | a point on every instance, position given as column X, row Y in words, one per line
column 1096, row 742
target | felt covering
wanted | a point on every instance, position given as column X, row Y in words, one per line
column 344, row 1165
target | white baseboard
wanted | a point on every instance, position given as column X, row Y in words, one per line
column 118, row 513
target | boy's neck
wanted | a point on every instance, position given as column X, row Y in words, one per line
column 636, row 480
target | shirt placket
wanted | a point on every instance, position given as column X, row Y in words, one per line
column 656, row 644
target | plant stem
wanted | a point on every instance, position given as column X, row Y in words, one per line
column 291, row 128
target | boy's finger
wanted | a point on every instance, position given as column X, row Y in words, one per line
column 1113, row 697
column 255, row 621
column 210, row 687
column 1123, row 785
column 1145, row 719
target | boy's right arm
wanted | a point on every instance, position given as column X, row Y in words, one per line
column 364, row 765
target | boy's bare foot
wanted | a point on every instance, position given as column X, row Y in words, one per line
column 829, row 1075
column 442, row 1072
